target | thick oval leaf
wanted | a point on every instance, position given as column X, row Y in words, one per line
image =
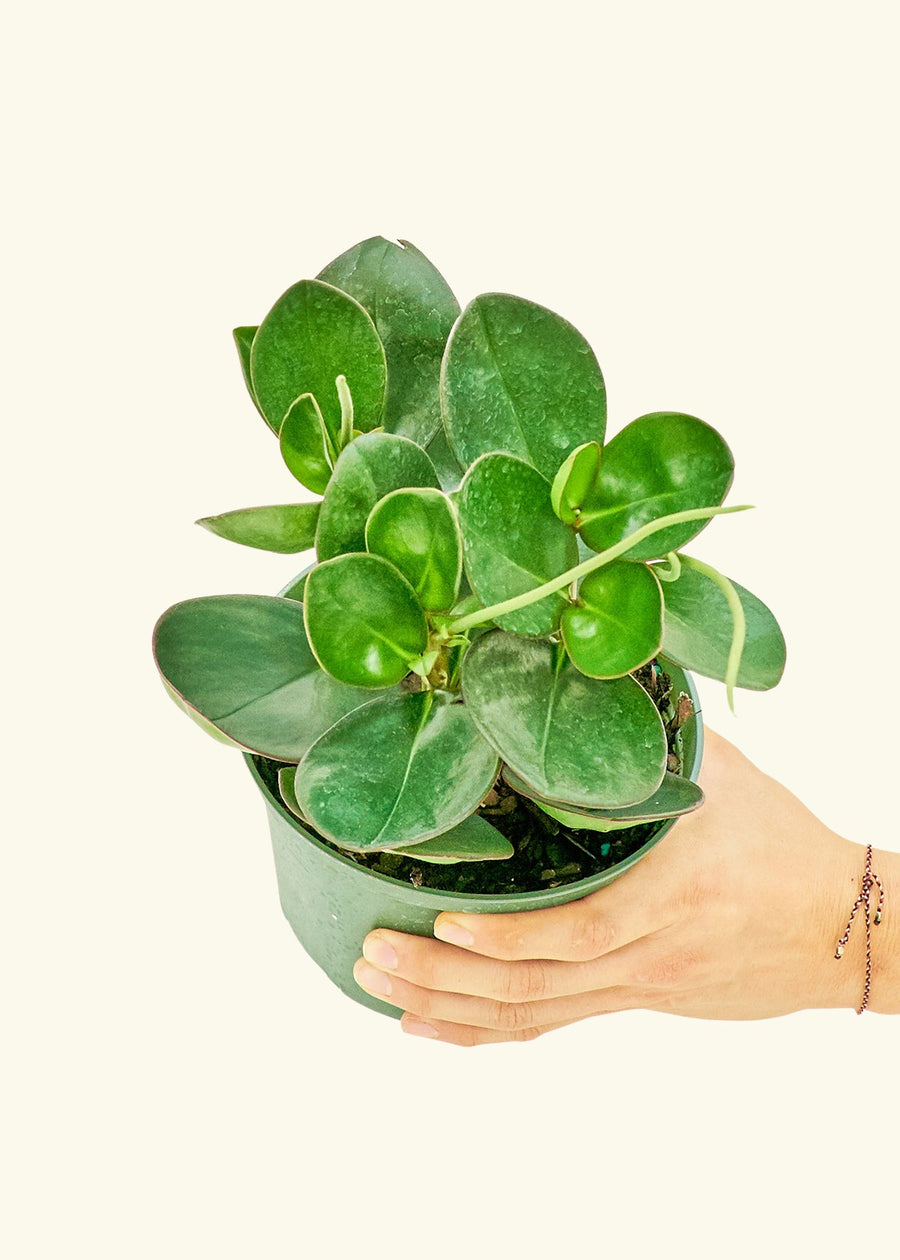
column 698, row 629
column 364, row 622
column 513, row 541
column 472, row 840
column 659, row 464
column 243, row 663
column 305, row 444
column 406, row 767
column 518, row 378
column 413, row 310
column 575, row 481
column 574, row 739
column 369, row 468
column 282, row 527
column 449, row 472
column 417, row 531
column 243, row 339
column 617, row 624
column 674, row 796
column 286, row 789
column 313, row 334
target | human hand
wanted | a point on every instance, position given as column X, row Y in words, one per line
column 734, row 915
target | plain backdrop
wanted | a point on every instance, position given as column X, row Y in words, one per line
column 709, row 193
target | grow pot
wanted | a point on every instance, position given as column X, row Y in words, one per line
column 332, row 902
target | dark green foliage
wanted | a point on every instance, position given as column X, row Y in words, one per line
column 483, row 596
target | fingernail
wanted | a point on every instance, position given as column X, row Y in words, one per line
column 371, row 980
column 417, row 1028
column 376, row 950
column 453, row 933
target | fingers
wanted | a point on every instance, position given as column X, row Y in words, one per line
column 430, row 1005
column 465, row 1035
column 635, row 905
column 431, row 964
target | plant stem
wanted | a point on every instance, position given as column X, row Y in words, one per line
column 673, row 572
column 739, row 633
column 588, row 566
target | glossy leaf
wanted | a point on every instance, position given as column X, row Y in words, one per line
column 286, row 789
column 364, row 622
column 659, row 464
column 313, row 334
column 417, row 531
column 296, row 589
column 674, row 796
column 575, row 481
column 472, row 840
column 282, row 527
column 698, row 629
column 617, row 623
column 513, row 541
column 518, row 378
column 413, row 310
column 243, row 664
column 368, row 469
column 305, row 444
column 406, row 767
column 449, row 472
column 243, row 339
column 575, row 739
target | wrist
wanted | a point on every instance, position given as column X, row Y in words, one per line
column 848, row 973
column 885, row 994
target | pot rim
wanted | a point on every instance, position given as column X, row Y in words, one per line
column 437, row 898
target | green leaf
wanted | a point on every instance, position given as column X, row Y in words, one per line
column 297, row 588
column 283, row 527
column 518, row 378
column 364, row 622
column 413, row 310
column 417, row 531
column 371, row 467
column 472, row 840
column 579, row 740
column 674, row 796
column 617, row 623
column 406, row 767
column 449, row 472
column 243, row 339
column 305, row 444
column 575, row 481
column 313, row 334
column 286, row 788
column 513, row 541
column 243, row 663
column 659, row 464
column 698, row 629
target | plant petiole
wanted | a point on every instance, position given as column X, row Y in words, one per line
column 588, row 566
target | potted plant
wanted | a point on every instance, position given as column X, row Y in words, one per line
column 476, row 697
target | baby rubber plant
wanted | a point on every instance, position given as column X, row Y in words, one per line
column 490, row 572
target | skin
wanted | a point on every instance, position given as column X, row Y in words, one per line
column 735, row 915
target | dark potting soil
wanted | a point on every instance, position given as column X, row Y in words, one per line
column 546, row 854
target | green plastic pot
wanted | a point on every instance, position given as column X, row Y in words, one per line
column 332, row 903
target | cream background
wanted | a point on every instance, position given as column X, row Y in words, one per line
column 709, row 192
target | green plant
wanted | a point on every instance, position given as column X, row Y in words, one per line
column 490, row 572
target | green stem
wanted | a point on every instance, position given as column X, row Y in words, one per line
column 739, row 621
column 673, row 572
column 344, row 395
column 588, row 566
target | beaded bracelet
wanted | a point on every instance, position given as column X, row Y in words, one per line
column 869, row 879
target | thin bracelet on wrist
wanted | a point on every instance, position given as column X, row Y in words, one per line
column 869, row 880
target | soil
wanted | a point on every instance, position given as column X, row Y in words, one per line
column 547, row 854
